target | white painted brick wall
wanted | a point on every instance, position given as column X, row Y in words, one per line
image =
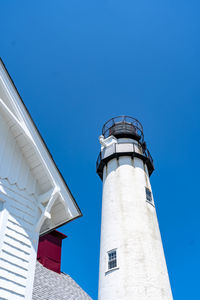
column 129, row 223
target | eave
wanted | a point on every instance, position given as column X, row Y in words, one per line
column 54, row 195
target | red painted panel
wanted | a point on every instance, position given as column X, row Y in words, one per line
column 49, row 250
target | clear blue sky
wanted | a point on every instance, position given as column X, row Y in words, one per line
column 78, row 63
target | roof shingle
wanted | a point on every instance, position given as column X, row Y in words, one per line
column 49, row 285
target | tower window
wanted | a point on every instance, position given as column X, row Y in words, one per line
column 148, row 195
column 112, row 259
column 1, row 205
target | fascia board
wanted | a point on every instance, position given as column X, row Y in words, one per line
column 41, row 146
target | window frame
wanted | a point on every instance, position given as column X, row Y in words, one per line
column 112, row 260
column 149, row 197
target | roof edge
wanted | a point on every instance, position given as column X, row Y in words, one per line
column 47, row 149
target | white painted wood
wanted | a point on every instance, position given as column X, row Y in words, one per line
column 30, row 185
column 14, row 109
column 17, row 229
column 3, row 222
column 18, row 172
column 23, row 239
column 21, row 223
column 14, row 277
column 12, row 162
column 14, row 259
column 12, row 286
column 47, row 210
column 9, row 295
column 45, row 196
column 17, row 195
column 129, row 224
column 14, row 120
column 18, row 247
column 13, row 268
column 12, row 241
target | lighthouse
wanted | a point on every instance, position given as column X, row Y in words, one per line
column 132, row 260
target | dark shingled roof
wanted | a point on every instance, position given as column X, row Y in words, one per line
column 49, row 285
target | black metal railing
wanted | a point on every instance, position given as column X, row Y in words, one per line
column 123, row 124
column 148, row 155
column 98, row 161
column 144, row 153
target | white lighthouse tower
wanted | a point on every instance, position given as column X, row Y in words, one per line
column 132, row 261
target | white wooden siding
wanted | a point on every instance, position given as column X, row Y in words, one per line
column 27, row 175
column 13, row 165
column 18, row 247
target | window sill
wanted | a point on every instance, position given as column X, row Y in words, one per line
column 111, row 270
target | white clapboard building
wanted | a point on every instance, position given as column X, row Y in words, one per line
column 34, row 198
